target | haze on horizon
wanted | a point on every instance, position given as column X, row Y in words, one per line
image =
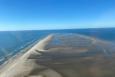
column 56, row 14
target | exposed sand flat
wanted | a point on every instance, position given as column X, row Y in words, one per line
column 66, row 56
column 17, row 67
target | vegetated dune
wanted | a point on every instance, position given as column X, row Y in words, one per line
column 65, row 55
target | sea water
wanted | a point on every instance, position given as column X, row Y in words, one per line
column 12, row 42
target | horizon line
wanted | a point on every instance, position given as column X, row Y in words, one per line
column 55, row 29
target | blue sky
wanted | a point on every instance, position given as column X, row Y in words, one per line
column 56, row 14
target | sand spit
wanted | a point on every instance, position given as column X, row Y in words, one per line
column 65, row 55
column 21, row 67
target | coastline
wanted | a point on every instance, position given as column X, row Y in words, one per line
column 19, row 61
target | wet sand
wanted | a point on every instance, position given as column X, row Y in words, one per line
column 17, row 67
column 64, row 60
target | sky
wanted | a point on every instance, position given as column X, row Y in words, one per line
column 56, row 14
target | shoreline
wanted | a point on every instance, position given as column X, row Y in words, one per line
column 16, row 67
column 16, row 56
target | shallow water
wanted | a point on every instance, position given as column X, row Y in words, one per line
column 73, row 55
column 70, row 58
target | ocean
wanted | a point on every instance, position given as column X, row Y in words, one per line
column 12, row 42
